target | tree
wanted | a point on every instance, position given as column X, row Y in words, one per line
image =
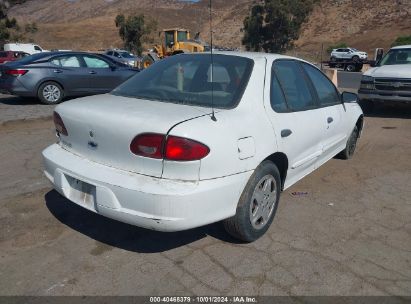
column 402, row 40
column 273, row 25
column 134, row 31
column 6, row 24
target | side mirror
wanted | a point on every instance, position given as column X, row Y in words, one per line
column 348, row 97
column 373, row 63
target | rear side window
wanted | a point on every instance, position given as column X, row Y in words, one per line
column 187, row 79
column 94, row 62
column 325, row 89
column 277, row 96
column 110, row 53
column 293, row 82
column 66, row 61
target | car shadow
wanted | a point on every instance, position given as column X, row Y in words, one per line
column 125, row 236
column 18, row 101
column 390, row 111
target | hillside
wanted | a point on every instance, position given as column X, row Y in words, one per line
column 89, row 24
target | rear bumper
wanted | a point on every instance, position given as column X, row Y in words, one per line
column 153, row 203
column 13, row 86
column 385, row 96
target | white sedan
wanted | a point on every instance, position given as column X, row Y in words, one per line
column 194, row 140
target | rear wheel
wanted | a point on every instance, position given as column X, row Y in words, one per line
column 50, row 92
column 257, row 205
column 348, row 152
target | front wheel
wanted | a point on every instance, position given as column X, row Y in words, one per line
column 355, row 58
column 348, row 152
column 50, row 93
column 257, row 205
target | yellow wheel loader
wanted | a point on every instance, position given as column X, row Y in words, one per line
column 174, row 41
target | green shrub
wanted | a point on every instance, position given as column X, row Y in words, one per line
column 402, row 40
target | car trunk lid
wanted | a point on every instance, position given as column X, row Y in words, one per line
column 100, row 128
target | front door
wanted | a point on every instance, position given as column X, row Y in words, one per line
column 102, row 78
column 335, row 136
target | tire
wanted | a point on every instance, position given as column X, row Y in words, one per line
column 349, row 150
column 355, row 58
column 50, row 93
column 248, row 224
column 147, row 61
column 350, row 68
column 333, row 59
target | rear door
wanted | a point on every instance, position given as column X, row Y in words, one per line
column 102, row 77
column 297, row 120
column 335, row 135
column 68, row 70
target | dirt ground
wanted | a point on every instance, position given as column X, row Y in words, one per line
column 350, row 234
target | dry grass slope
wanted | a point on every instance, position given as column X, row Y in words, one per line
column 89, row 24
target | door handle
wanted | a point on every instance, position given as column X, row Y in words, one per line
column 286, row 132
column 92, row 72
column 330, row 119
column 58, row 71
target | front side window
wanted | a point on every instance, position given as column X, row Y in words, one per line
column 187, row 79
column 326, row 91
column 397, row 56
column 95, row 63
column 66, row 61
column 294, row 85
column 37, row 48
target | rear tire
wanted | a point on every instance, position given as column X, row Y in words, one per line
column 349, row 150
column 50, row 93
column 257, row 205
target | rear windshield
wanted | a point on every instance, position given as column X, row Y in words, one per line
column 188, row 79
column 31, row 58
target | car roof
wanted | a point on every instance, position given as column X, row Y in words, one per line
column 401, row 47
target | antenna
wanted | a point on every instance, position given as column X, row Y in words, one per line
column 212, row 66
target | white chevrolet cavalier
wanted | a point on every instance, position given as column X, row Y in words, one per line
column 152, row 153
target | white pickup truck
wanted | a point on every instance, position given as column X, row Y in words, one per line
column 389, row 81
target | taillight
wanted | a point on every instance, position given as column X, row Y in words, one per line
column 58, row 122
column 170, row 148
column 183, row 149
column 17, row 72
column 148, row 145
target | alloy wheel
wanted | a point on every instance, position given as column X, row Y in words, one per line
column 263, row 201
